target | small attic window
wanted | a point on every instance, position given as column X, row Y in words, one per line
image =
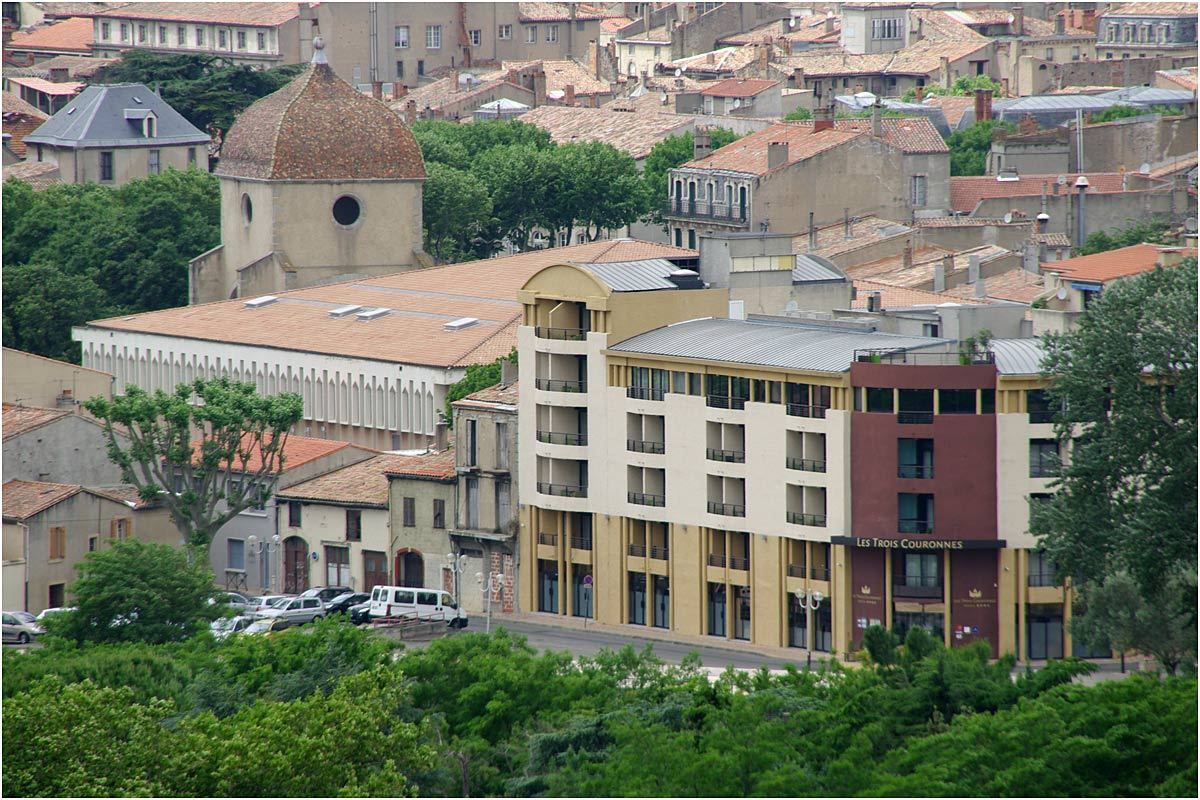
column 150, row 127
column 70, row 111
column 137, row 99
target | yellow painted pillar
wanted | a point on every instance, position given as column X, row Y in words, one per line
column 1006, row 601
column 560, row 525
column 1022, row 633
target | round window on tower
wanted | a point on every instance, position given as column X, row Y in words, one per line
column 346, row 210
column 247, row 209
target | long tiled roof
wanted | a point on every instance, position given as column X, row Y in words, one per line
column 297, row 451
column 1154, row 9
column 437, row 465
column 811, row 29
column 739, row 87
column 64, row 89
column 1015, row 285
column 78, row 67
column 561, row 12
column 1184, row 78
column 38, row 174
column 892, row 297
column 559, row 75
column 22, row 419
column 636, row 132
column 361, row 484
column 25, row 499
column 74, row 35
column 770, row 344
column 953, row 107
column 444, row 91
column 909, row 134
column 892, row 270
column 221, row 13
column 749, row 154
column 492, row 396
column 1110, row 265
column 301, row 132
column 13, row 104
column 966, row 192
column 832, row 241
column 421, row 303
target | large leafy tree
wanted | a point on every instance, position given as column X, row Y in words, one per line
column 969, row 148
column 456, row 210
column 208, row 451
column 1115, row 613
column 1126, row 380
column 1155, row 231
column 137, row 592
column 595, row 187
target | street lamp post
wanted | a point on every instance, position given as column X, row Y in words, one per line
column 457, row 564
column 810, row 601
column 270, row 549
column 495, row 580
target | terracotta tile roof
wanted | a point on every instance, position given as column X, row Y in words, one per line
column 739, row 87
column 48, row 87
column 1036, row 28
column 961, row 222
column 422, row 302
column 559, row 75
column 20, row 120
column 809, row 29
column 1176, row 165
column 492, row 396
column 900, row 297
column 22, row 419
column 749, row 154
column 966, row 192
column 70, row 35
column 38, row 174
column 297, row 450
column 1104, row 267
column 13, row 104
column 300, row 133
column 953, row 107
column 120, row 494
column 724, row 60
column 909, row 134
column 222, row 13
column 1185, row 78
column 1015, row 285
column 559, row 12
column 892, row 271
column 25, row 499
column 1052, row 239
column 1154, row 9
column 437, row 465
column 614, row 24
column 361, row 484
column 444, row 91
column 635, row 132
column 831, row 239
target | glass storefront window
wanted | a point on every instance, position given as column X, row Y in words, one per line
column 797, row 623
column 637, row 598
column 741, row 616
column 716, row 609
column 662, row 601
column 547, row 586
column 581, row 593
column 903, row 621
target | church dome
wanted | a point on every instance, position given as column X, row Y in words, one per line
column 319, row 127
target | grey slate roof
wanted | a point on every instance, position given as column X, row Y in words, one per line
column 646, row 275
column 769, row 344
column 109, row 116
column 1018, row 356
column 815, row 268
column 1150, row 96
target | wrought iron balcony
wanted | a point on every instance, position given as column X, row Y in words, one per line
column 916, row 526
column 716, row 559
column 724, row 401
column 637, row 550
column 704, row 209
column 552, row 385
column 915, row 417
column 739, row 563
column 798, row 518
column 806, row 464
column 562, row 490
column 644, row 393
column 645, row 446
column 802, row 410
column 726, row 509
column 581, row 542
column 731, row 456
column 915, row 471
column 643, row 499
column 550, row 437
column 661, row 553
column 548, row 538
column 562, row 334
column 795, row 570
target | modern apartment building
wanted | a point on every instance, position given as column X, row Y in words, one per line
column 775, row 480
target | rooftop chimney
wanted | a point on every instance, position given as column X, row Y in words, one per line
column 377, row 90
column 983, row 104
column 569, row 94
column 454, row 79
column 701, row 144
column 945, row 66
column 798, row 77
column 877, row 118
column 1088, row 23
column 980, row 288
column 710, row 58
column 1004, row 87
column 508, row 373
column 939, row 275
column 399, row 91
column 1018, row 22
column 830, row 23
column 539, row 88
column 920, row 94
column 973, row 269
column 874, row 302
column 1060, row 24
column 441, row 436
column 59, row 74
column 822, row 119
column 764, row 58
column 410, row 111
column 777, row 154
column 908, row 254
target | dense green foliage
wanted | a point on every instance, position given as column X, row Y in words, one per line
column 206, row 90
column 963, row 87
column 798, row 115
column 77, row 252
column 208, row 450
column 475, row 714
column 1154, row 231
column 969, row 148
column 1123, row 112
column 476, row 377
column 1125, row 501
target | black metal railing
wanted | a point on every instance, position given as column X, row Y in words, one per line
column 705, row 209
column 739, row 563
column 1044, row 469
column 917, row 588
column 818, row 573
column 548, row 538
column 562, row 334
column 802, row 410
column 551, row 437
column 795, row 570
column 909, row 357
column 732, row 456
column 581, row 542
column 644, row 499
column 638, row 550
column 915, row 471
column 915, row 526
column 1042, row 579
column 915, row 417
column 716, row 559
column 727, row 509
column 645, row 446
column 661, row 553
column 799, row 518
column 806, row 464
column 644, row 393
column 552, row 385
column 724, row 401
column 562, row 490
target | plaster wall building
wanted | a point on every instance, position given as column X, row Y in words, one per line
column 38, row 381
column 421, row 491
column 1146, row 30
column 48, row 444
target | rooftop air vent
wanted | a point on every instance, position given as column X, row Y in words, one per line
column 342, row 311
column 1008, row 174
column 686, row 279
column 459, row 324
column 374, row 313
column 259, row 302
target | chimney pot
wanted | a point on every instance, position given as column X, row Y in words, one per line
column 983, row 104
column 569, row 94
column 920, row 94
column 980, row 289
column 939, row 277
column 1018, row 23
column 1060, row 24
column 701, row 144
column 830, row 23
column 908, row 254
column 400, row 91
column 822, row 119
column 377, row 90
column 972, row 269
column 877, row 118
column 441, row 436
column 777, row 154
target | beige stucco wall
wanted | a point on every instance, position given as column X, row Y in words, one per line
column 79, row 166
column 432, row 543
column 72, row 449
column 36, row 381
column 325, row 525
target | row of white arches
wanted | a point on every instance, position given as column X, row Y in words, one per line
column 343, row 398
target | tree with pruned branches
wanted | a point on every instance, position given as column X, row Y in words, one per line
column 208, row 451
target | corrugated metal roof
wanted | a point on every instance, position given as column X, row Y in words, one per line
column 1055, row 102
column 634, row 276
column 1018, row 356
column 769, row 344
column 815, row 268
column 1149, row 95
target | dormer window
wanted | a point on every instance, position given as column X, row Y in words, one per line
column 150, row 127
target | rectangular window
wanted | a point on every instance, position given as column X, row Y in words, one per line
column 106, row 165
column 915, row 458
column 162, row 34
column 337, row 566
column 476, row 37
column 191, row 156
column 916, row 513
column 401, row 36
column 956, row 401
column 1049, row 53
column 471, row 441
column 916, row 406
column 153, row 165
column 503, row 504
column 551, row 33
column 124, row 32
column 421, row 67
column 222, row 39
column 241, row 40
column 1043, row 458
column 1039, row 406
column 199, row 36
column 880, row 401
column 1042, row 571
column 921, row 570
column 439, row 513
column 531, row 34
column 887, row 28
column 141, row 34
column 353, row 525
column 472, row 502
column 181, row 35
column 236, row 554
column 504, row 32
column 105, row 31
column 433, row 37
column 399, row 75
column 261, row 41
column 118, row 529
column 917, row 190
column 57, row 595
column 58, row 543
column 501, row 445
column 293, row 514
column 410, row 512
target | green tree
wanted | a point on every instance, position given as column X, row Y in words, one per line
column 595, row 187
column 1154, row 231
column 1124, row 112
column 964, row 86
column 1114, row 613
column 1126, row 377
column 798, row 115
column 476, row 377
column 456, row 209
column 969, row 148
column 208, row 451
column 519, row 186
column 42, row 303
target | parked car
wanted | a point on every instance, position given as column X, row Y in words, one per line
column 341, row 604
column 361, row 613
column 226, row 627
column 24, row 616
column 296, row 611
column 18, row 630
column 424, row 604
column 265, row 603
column 235, row 600
column 46, row 612
column 262, row 626
column 326, row 593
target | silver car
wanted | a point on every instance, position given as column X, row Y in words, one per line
column 296, row 611
column 226, row 627
column 19, row 631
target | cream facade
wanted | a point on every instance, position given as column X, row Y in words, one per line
column 33, row 380
column 351, row 541
column 119, row 165
column 262, row 46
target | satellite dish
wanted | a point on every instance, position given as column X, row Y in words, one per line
column 1144, row 169
column 792, row 22
column 1008, row 218
column 1061, row 180
column 1062, row 293
column 678, row 72
column 737, row 103
column 1189, row 224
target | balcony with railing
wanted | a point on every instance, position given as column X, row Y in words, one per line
column 660, row 552
column 913, row 586
column 795, row 570
column 739, row 563
column 734, row 214
column 804, row 410
column 914, row 471
column 562, row 490
column 644, row 446
column 716, row 559
column 726, row 509
column 554, row 385
column 1042, row 578
column 573, row 439
column 915, row 417
column 725, row 401
column 805, row 464
column 800, row 518
column 644, row 499
column 637, row 550
column 561, row 334
column 581, row 542
column 915, row 526
column 728, row 456
column 644, row 393
column 818, row 573
column 550, row 539
column 1039, row 417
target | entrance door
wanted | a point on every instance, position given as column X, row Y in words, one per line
column 295, row 565
column 337, row 566
column 410, row 569
column 374, row 569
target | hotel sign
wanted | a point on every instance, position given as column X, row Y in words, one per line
column 928, row 545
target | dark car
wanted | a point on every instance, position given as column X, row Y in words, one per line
column 326, row 593
column 361, row 613
column 341, row 604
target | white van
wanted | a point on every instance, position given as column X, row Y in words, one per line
column 427, row 604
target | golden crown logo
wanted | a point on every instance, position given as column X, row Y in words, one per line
column 865, row 589
column 975, row 594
